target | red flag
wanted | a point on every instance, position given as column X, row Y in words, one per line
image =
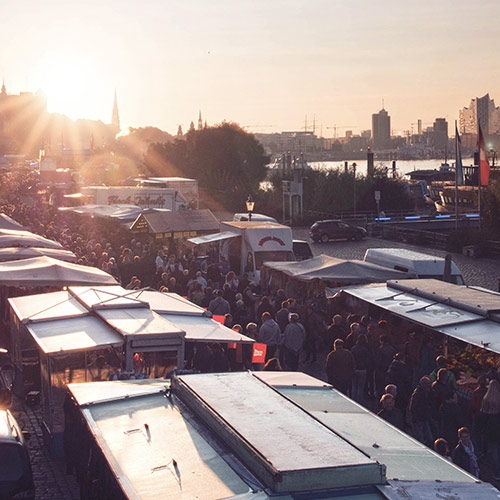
column 219, row 318
column 259, row 353
column 484, row 166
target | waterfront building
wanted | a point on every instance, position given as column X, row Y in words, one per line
column 381, row 129
column 440, row 134
column 481, row 110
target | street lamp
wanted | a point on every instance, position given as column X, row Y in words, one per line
column 250, row 204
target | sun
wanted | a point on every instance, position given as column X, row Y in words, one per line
column 68, row 86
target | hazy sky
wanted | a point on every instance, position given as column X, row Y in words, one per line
column 262, row 63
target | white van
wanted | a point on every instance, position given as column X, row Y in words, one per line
column 408, row 261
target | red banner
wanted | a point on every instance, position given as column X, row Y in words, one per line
column 218, row 318
column 259, row 353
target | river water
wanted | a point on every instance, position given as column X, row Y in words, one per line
column 402, row 166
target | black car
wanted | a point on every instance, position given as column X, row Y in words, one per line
column 325, row 230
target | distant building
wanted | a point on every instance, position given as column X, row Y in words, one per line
column 381, row 129
column 481, row 110
column 115, row 116
column 440, row 134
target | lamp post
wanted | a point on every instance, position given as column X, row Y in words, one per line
column 354, row 165
column 250, row 204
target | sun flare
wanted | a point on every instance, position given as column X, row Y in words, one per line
column 67, row 85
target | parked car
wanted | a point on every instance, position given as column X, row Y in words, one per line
column 6, row 379
column 325, row 230
column 16, row 477
column 302, row 250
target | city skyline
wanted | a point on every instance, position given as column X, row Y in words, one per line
column 265, row 65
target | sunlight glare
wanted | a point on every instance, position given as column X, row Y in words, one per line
column 67, row 85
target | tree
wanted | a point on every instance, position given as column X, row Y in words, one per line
column 227, row 162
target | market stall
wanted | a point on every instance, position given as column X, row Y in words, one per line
column 20, row 253
column 102, row 333
column 176, row 225
column 14, row 238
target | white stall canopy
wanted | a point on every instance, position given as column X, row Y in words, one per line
column 45, row 271
column 74, row 334
column 329, row 268
column 13, row 238
column 459, row 311
column 20, row 253
column 213, row 238
column 7, row 222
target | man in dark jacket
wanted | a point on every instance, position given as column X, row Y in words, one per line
column 421, row 412
column 464, row 454
column 340, row 367
column 219, row 306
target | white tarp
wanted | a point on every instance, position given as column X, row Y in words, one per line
column 332, row 269
column 118, row 212
column 12, row 238
column 463, row 325
column 44, row 271
column 7, row 222
column 212, row 238
column 20, row 253
column 73, row 334
column 206, row 330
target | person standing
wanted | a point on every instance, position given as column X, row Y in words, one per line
column 269, row 334
column 340, row 367
column 420, row 411
column 293, row 341
column 464, row 455
column 362, row 359
column 490, row 414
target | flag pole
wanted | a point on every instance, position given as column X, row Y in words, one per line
column 456, row 176
column 479, row 133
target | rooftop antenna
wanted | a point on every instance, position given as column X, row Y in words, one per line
column 383, row 103
column 314, row 124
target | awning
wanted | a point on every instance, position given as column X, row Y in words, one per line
column 74, row 334
column 461, row 324
column 212, row 238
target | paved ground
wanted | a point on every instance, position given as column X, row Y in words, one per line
column 50, row 478
column 479, row 272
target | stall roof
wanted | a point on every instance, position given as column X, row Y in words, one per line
column 205, row 468
column 139, row 322
column 19, row 253
column 47, row 306
column 212, row 238
column 45, row 271
column 7, row 222
column 206, row 329
column 140, row 313
column 116, row 212
column 13, row 238
column 331, row 268
column 455, row 320
column 404, row 457
column 179, row 221
column 73, row 335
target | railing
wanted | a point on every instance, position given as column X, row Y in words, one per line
column 415, row 236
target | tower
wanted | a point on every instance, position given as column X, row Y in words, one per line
column 4, row 90
column 381, row 129
column 200, row 121
column 115, row 116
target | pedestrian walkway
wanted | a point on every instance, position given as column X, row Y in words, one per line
column 51, row 480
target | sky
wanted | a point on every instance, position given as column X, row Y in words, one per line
column 265, row 64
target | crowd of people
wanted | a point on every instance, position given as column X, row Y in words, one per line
column 369, row 358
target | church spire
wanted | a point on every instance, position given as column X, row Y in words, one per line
column 115, row 116
column 200, row 121
column 4, row 90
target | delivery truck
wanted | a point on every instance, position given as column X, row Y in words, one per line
column 246, row 245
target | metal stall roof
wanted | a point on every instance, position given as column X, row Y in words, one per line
column 404, row 457
column 66, row 335
column 183, row 454
column 461, row 312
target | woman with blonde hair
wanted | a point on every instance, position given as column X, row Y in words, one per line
column 490, row 413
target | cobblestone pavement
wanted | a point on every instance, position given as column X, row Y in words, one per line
column 476, row 271
column 53, row 483
column 51, row 480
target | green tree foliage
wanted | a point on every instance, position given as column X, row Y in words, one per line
column 334, row 190
column 228, row 162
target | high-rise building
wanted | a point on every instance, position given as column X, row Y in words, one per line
column 381, row 129
column 481, row 110
column 440, row 134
